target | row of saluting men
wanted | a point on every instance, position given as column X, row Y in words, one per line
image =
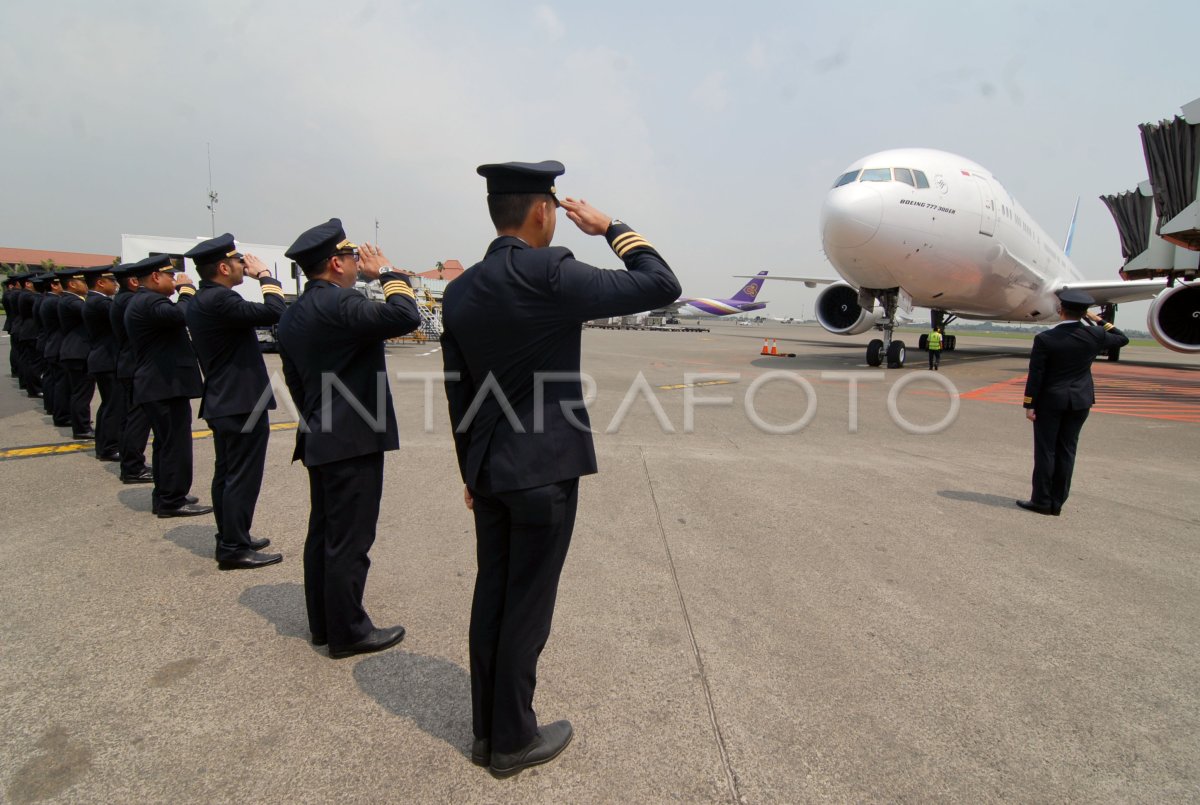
column 515, row 313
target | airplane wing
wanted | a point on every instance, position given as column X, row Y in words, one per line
column 1108, row 292
column 811, row 282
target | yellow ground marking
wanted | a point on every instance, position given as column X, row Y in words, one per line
column 63, row 448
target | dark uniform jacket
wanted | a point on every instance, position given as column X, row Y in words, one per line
column 1060, row 365
column 29, row 325
column 126, row 360
column 96, row 317
column 166, row 364
column 10, row 308
column 75, row 345
column 51, row 330
column 222, row 326
column 337, row 334
column 519, row 312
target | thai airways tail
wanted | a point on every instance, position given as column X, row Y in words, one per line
column 749, row 291
column 1071, row 229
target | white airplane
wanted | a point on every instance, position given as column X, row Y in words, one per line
column 919, row 227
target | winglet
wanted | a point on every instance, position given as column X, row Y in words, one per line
column 1071, row 230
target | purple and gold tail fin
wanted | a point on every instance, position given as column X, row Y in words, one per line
column 749, row 291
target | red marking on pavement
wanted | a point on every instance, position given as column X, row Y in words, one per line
column 1139, row 391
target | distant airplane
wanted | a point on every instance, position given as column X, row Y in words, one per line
column 919, row 227
column 741, row 302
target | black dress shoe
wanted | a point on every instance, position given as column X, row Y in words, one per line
column 109, row 456
column 186, row 499
column 144, row 477
column 376, row 640
column 248, row 560
column 255, row 545
column 551, row 740
column 186, row 510
column 320, row 641
column 481, row 752
column 84, row 437
column 1029, row 505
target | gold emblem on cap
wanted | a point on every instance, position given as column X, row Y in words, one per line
column 346, row 244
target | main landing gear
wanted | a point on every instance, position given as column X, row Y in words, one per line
column 880, row 348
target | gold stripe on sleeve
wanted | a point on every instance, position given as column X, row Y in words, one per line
column 629, row 246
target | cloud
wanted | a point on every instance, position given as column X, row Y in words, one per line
column 550, row 22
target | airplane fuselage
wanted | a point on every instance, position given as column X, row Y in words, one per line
column 696, row 307
column 961, row 243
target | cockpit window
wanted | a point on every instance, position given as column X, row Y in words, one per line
column 846, row 178
column 903, row 175
column 922, row 182
column 876, row 175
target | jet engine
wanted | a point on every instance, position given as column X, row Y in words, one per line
column 838, row 311
column 1174, row 318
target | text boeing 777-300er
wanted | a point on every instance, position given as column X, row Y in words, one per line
column 915, row 226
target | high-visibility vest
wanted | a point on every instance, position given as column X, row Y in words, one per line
column 935, row 340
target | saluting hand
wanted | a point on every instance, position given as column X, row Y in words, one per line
column 182, row 280
column 370, row 261
column 256, row 268
column 589, row 219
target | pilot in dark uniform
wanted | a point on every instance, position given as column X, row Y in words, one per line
column 166, row 380
column 12, row 292
column 512, row 333
column 26, row 335
column 134, row 425
column 331, row 341
column 237, row 391
column 102, row 360
column 54, row 381
column 1059, row 394
column 73, row 354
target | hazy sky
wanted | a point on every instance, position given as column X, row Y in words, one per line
column 713, row 129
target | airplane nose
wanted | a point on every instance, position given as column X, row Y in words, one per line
column 851, row 215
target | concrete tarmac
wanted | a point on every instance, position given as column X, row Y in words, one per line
column 852, row 611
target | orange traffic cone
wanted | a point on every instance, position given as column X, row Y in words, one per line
column 774, row 347
column 766, row 350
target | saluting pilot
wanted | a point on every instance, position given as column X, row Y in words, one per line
column 510, row 319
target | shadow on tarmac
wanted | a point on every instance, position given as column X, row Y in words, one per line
column 196, row 538
column 282, row 605
column 979, row 497
column 136, row 499
column 433, row 693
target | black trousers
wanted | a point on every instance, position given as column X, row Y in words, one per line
column 109, row 414
column 31, row 367
column 57, row 393
column 14, row 361
column 344, row 509
column 240, row 443
column 521, row 544
column 134, row 431
column 1055, row 437
column 935, row 358
column 81, row 387
column 171, row 421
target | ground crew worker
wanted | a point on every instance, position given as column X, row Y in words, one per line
column 933, row 344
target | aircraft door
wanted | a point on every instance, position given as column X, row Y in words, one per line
column 987, row 213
